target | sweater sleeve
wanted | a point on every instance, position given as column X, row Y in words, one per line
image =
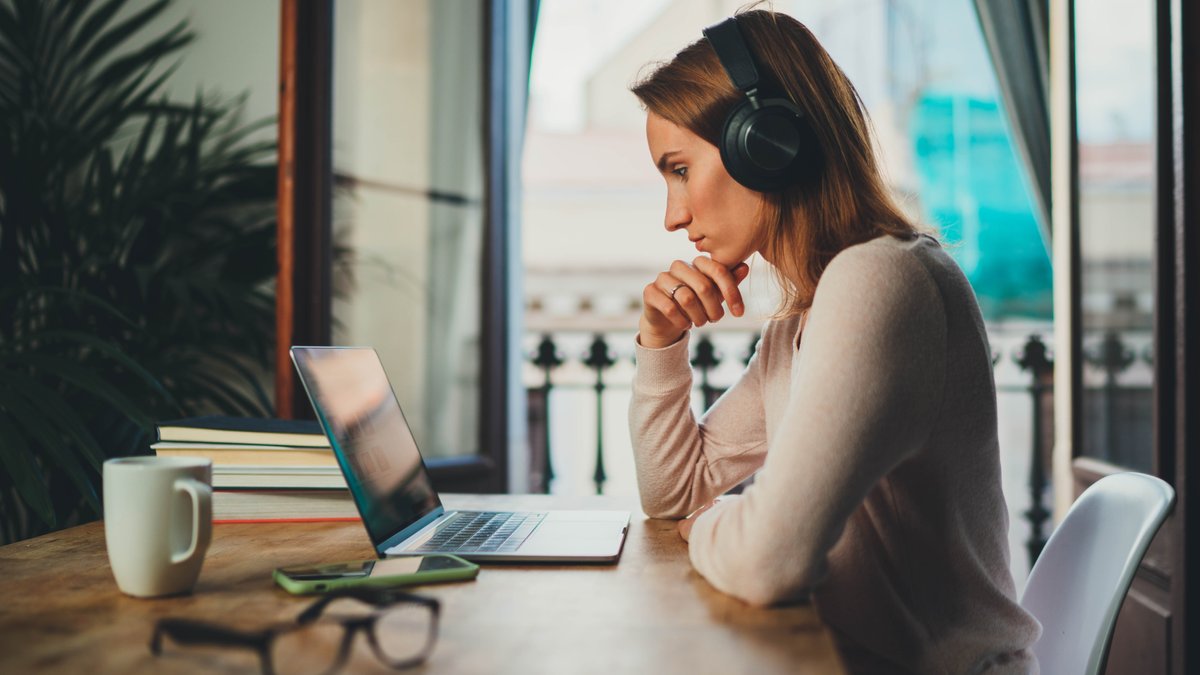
column 683, row 464
column 864, row 393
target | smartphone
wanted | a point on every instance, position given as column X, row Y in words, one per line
column 384, row 573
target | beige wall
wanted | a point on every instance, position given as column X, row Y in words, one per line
column 610, row 105
column 1109, row 216
column 236, row 51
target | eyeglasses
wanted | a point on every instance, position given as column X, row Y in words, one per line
column 400, row 627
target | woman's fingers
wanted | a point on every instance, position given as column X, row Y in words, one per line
column 669, row 314
column 705, row 291
column 690, row 295
column 681, row 293
column 727, row 281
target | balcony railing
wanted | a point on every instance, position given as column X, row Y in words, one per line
column 1118, row 398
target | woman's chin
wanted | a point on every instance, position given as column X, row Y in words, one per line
column 726, row 259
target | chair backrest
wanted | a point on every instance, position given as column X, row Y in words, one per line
column 1079, row 582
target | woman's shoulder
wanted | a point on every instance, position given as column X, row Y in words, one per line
column 886, row 263
column 889, row 247
column 889, row 271
column 880, row 293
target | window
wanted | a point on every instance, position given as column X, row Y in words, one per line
column 409, row 205
column 1115, row 131
column 412, row 107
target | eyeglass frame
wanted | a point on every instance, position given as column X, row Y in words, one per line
column 193, row 632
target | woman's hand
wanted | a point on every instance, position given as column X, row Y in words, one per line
column 685, row 525
column 686, row 296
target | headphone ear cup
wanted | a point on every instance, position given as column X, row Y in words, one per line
column 732, row 155
column 769, row 147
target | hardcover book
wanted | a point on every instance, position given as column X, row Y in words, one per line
column 228, row 454
column 244, row 431
column 269, row 477
column 275, row 506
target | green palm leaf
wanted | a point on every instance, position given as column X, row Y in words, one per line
column 137, row 250
column 26, row 478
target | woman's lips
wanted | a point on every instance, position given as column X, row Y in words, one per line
column 698, row 243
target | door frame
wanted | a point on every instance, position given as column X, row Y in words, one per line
column 1162, row 590
column 1184, row 27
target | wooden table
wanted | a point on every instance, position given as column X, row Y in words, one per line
column 60, row 610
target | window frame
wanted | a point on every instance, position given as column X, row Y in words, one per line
column 304, row 309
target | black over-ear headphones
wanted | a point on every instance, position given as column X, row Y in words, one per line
column 766, row 144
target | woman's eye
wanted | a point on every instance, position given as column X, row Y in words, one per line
column 680, row 171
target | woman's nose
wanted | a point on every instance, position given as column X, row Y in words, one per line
column 678, row 215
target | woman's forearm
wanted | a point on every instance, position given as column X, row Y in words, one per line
column 683, row 463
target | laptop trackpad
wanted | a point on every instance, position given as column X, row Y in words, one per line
column 574, row 537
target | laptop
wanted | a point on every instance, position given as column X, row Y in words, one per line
column 391, row 487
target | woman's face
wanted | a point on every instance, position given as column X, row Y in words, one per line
column 720, row 215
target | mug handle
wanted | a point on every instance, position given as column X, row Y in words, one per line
column 201, row 495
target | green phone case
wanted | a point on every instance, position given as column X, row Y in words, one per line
column 301, row 587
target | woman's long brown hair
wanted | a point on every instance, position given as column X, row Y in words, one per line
column 805, row 225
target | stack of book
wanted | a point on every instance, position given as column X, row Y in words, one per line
column 264, row 470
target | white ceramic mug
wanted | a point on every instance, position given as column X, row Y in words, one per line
column 157, row 522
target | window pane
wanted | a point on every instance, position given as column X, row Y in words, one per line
column 408, row 209
column 1114, row 98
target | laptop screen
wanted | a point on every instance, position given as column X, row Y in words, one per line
column 377, row 452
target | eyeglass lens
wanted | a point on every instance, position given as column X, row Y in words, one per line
column 402, row 633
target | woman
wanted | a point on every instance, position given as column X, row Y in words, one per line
column 868, row 410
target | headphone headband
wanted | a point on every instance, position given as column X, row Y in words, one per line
column 729, row 44
column 766, row 144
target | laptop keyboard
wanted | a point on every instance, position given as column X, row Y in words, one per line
column 482, row 532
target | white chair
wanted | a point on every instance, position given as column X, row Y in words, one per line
column 1079, row 582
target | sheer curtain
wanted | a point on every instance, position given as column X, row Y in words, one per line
column 455, row 229
column 1017, row 36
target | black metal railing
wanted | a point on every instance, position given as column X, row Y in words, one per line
column 1118, row 405
column 1036, row 360
column 1032, row 358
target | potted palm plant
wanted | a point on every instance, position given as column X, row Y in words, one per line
column 136, row 251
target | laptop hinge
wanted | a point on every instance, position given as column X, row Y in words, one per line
column 382, row 547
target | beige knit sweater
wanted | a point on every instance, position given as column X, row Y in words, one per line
column 873, row 432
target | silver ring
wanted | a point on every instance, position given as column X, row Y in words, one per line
column 677, row 287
